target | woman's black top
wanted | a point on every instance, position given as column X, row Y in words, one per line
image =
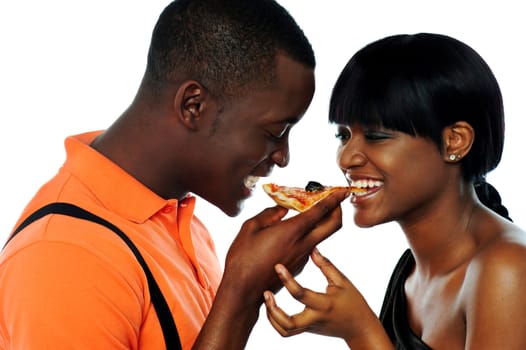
column 394, row 309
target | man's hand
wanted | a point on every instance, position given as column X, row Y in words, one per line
column 264, row 241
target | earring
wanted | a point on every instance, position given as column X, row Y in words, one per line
column 452, row 157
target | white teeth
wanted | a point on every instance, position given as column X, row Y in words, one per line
column 359, row 194
column 366, row 183
column 250, row 181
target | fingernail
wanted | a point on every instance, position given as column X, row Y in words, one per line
column 279, row 269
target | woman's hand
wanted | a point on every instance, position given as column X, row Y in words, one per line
column 339, row 312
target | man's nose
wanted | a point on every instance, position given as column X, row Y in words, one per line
column 281, row 156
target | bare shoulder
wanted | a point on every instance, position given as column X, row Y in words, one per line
column 493, row 293
column 498, row 268
column 508, row 247
column 500, row 257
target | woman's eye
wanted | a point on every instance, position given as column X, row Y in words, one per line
column 377, row 135
column 342, row 134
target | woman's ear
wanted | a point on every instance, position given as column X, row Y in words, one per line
column 189, row 103
column 457, row 140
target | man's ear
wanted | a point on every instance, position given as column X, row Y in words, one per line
column 190, row 102
column 457, row 140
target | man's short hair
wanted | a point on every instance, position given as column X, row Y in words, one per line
column 229, row 46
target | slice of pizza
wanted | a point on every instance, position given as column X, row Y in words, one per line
column 299, row 198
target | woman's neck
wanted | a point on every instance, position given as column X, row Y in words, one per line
column 445, row 237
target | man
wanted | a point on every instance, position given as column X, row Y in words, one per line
column 224, row 84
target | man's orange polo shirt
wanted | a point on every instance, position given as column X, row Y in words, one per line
column 67, row 283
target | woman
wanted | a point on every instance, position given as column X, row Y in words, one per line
column 420, row 120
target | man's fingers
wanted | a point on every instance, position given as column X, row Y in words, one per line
column 330, row 202
column 266, row 218
column 325, row 228
column 321, row 220
column 325, row 206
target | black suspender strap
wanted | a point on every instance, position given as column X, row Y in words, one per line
column 171, row 336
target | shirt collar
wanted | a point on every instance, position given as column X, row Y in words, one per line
column 114, row 188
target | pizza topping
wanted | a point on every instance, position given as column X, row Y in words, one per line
column 314, row 186
column 299, row 198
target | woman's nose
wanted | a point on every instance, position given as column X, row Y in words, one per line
column 350, row 156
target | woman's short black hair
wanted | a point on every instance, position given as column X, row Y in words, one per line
column 419, row 84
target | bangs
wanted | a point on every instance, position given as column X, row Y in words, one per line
column 386, row 85
column 386, row 100
column 364, row 106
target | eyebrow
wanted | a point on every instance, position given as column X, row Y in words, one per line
column 288, row 121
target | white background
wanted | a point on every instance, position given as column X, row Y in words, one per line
column 72, row 66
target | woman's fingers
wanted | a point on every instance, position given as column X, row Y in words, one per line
column 307, row 297
column 281, row 321
column 334, row 276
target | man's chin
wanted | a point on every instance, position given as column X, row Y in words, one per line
column 228, row 205
column 235, row 210
column 230, row 208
